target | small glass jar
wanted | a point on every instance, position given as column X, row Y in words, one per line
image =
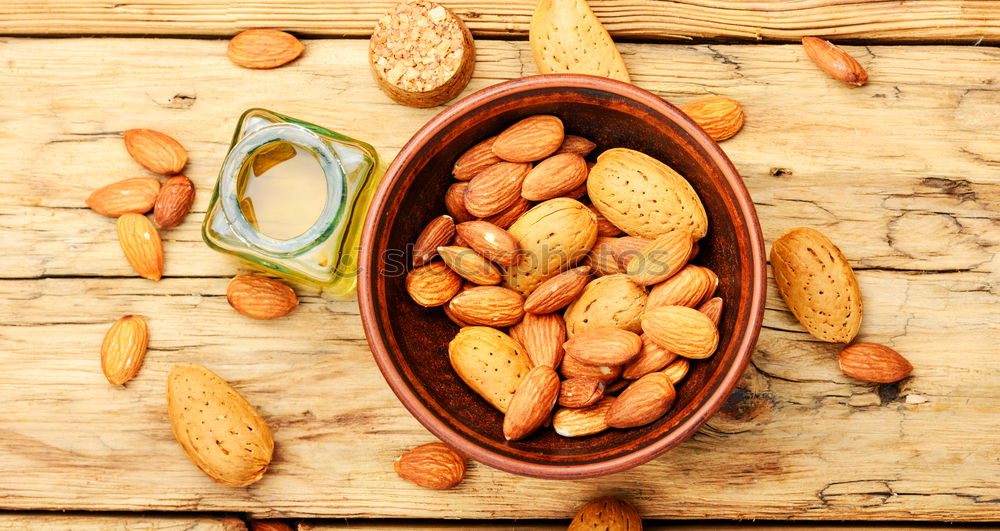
column 291, row 199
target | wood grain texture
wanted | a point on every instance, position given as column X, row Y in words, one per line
column 118, row 522
column 902, row 174
column 538, row 525
column 964, row 21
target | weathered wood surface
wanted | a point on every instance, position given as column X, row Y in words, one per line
column 118, row 522
column 537, row 525
column 959, row 21
column 904, row 174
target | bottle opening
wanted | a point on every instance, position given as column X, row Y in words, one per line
column 282, row 190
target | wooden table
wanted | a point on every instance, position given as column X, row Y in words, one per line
column 903, row 174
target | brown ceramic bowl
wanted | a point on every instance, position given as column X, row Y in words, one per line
column 410, row 343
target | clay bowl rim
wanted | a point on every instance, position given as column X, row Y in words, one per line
column 670, row 439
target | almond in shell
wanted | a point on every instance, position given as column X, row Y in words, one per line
column 173, row 202
column 136, row 195
column 581, row 391
column 124, row 348
column 719, row 116
column 610, row 301
column 490, row 363
column 432, row 466
column 433, row 284
column 532, row 403
column 554, row 177
column 155, row 151
column 871, row 362
column 218, row 429
column 495, row 188
column 681, row 330
column 140, row 242
column 567, row 38
column 489, row 306
column 553, row 235
column 470, row 265
column 644, row 401
column 475, row 160
column 494, row 243
column 604, row 346
column 542, row 336
column 530, row 139
column 558, row 291
column 437, row 233
column 579, row 422
column 264, row 48
column 260, row 297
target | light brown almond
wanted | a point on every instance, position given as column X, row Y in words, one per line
column 604, row 227
column 601, row 258
column 677, row 370
column 713, row 309
column 475, row 160
column 554, row 177
column 835, row 61
column 581, row 391
column 470, row 265
column 173, row 202
column 489, row 306
column 571, row 368
column 604, row 346
column 260, row 297
column 454, row 203
column 645, row 401
column 719, row 116
column 626, row 248
column 558, row 291
column 432, row 466
column 495, row 188
column 651, row 358
column 689, row 287
column 124, row 348
column 530, row 139
column 494, row 243
column 437, row 233
column 140, row 242
column 577, row 145
column 135, row 195
column 566, row 37
column 542, row 336
column 433, row 284
column 505, row 218
column 490, row 362
column 454, row 318
column 871, row 362
column 612, row 300
column 579, row 422
column 579, row 191
column 155, row 151
column 532, row 403
column 661, row 259
column 681, row 330
column 264, row 48
column 607, row 514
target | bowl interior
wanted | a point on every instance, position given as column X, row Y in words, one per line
column 410, row 342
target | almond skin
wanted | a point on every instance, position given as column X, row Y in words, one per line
column 871, row 362
column 605, row 227
column 581, row 391
column 470, row 265
column 555, row 176
column 835, row 61
column 174, row 201
column 432, row 466
column 713, row 309
column 495, row 188
column 542, row 336
column 260, row 297
column 604, row 346
column 438, row 232
column 689, row 287
column 135, row 195
column 661, row 259
column 494, row 243
column 576, row 145
column 719, row 116
column 626, row 248
column 269, row 525
column 607, row 514
column 475, row 160
column 124, row 348
column 141, row 244
column 454, row 203
column 155, row 151
column 578, row 422
column 505, row 218
column 571, row 368
column 264, row 48
column 433, row 284
column 646, row 400
column 651, row 358
column 532, row 403
column 677, row 370
column 681, row 330
column 558, row 291
column 489, row 306
column 530, row 139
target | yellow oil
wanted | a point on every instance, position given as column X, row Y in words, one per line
column 282, row 190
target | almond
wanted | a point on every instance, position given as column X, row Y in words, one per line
column 558, row 291
column 495, row 188
column 713, row 309
column 530, row 139
column 581, row 391
column 578, row 422
column 601, row 258
column 491, row 241
column 871, row 362
column 260, row 297
column 173, row 202
column 572, row 368
column 579, row 191
column 264, row 48
column 269, row 525
column 490, row 362
column 433, row 284
column 577, row 145
column 554, row 235
column 651, row 358
column 432, row 466
column 835, row 61
column 470, row 265
column 646, row 400
column 454, row 203
column 532, row 403
column 135, row 195
column 155, row 151
column 124, row 348
column 626, row 248
column 141, row 244
column 542, row 336
column 475, row 160
column 613, row 301
column 554, row 177
column 607, row 514
column 681, row 330
column 604, row 346
column 677, row 370
column 218, row 429
column 438, row 232
column 567, row 38
column 604, row 227
column 661, row 259
column 817, row 284
column 689, row 287
column 489, row 306
column 719, row 116
column 505, row 218
column 454, row 318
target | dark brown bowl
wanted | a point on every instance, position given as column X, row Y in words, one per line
column 410, row 342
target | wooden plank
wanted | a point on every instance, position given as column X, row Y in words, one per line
column 960, row 21
column 118, row 522
column 901, row 173
column 538, row 525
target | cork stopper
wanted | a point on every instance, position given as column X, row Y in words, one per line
column 421, row 54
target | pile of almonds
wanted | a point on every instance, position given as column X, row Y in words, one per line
column 556, row 305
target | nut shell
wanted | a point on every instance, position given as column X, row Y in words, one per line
column 609, row 301
column 553, row 235
column 489, row 362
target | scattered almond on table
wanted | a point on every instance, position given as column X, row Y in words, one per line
column 835, row 61
column 719, row 116
column 124, row 348
column 607, row 514
column 433, row 466
column 260, row 297
column 567, row 38
column 264, row 48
